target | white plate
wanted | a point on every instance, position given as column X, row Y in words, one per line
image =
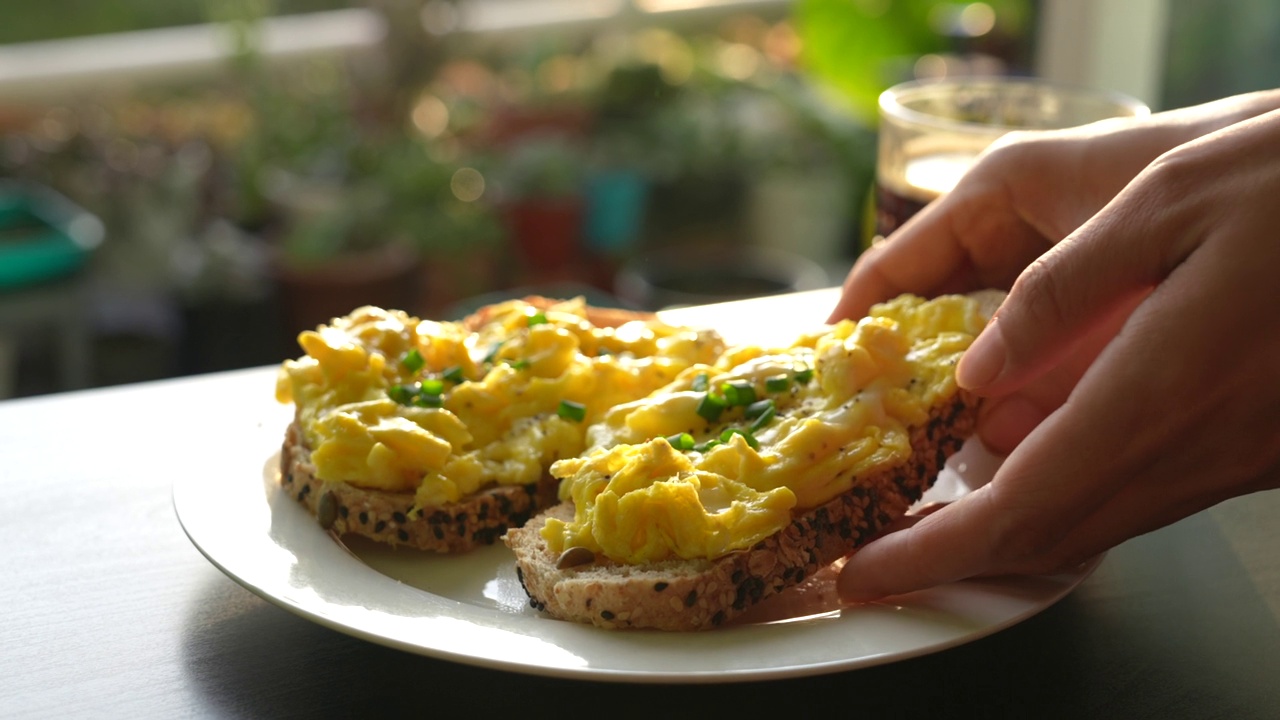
column 470, row 609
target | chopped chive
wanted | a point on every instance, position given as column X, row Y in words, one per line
column 493, row 352
column 518, row 364
column 765, row 418
column 777, row 384
column 602, row 351
column 711, row 407
column 402, row 394
column 804, row 376
column 570, row 410
column 728, row 434
column 758, row 408
column 538, row 318
column 739, row 392
column 453, row 374
column 681, row 441
column 707, row 445
column 432, row 386
column 413, row 361
column 425, row 400
column 700, row 382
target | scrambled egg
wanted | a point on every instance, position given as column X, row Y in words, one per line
column 391, row 402
column 719, row 458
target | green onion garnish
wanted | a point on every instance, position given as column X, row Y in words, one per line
column 493, row 352
column 570, row 410
column 699, row 383
column 518, row 364
column 758, row 408
column 453, row 374
column 413, row 361
column 432, row 386
column 777, row 384
column 681, row 441
column 737, row 393
column 765, row 418
column 425, row 400
column 537, row 318
column 804, row 376
column 707, row 445
column 402, row 394
column 711, row 407
column 728, row 434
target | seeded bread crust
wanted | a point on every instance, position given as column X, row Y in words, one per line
column 703, row 594
column 389, row 517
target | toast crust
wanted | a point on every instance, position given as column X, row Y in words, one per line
column 702, row 594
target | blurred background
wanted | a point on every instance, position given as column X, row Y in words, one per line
column 186, row 184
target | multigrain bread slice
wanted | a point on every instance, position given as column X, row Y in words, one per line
column 346, row 508
column 393, row 517
column 704, row 594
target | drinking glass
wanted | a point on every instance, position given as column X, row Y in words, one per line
column 931, row 131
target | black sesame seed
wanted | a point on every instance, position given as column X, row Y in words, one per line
column 659, row 586
column 382, row 525
column 404, row 536
column 364, row 518
column 398, row 517
column 691, row 598
column 607, row 615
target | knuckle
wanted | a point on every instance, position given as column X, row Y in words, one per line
column 1040, row 300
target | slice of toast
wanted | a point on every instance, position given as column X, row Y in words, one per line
column 702, row 594
column 393, row 518
column 346, row 508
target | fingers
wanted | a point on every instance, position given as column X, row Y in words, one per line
column 1092, row 279
column 969, row 239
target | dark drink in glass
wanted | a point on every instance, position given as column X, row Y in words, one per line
column 931, row 131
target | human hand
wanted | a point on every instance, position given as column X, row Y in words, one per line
column 1025, row 194
column 1174, row 412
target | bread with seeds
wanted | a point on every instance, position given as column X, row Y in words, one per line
column 438, row 435
column 731, row 485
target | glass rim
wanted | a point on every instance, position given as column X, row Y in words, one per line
column 891, row 100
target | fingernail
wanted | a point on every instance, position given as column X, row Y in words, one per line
column 982, row 363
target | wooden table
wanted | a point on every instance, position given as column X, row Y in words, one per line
column 109, row 611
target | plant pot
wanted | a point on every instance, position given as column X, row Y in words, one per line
column 615, row 211
column 546, row 232
column 314, row 293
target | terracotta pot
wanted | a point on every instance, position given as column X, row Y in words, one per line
column 546, row 232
